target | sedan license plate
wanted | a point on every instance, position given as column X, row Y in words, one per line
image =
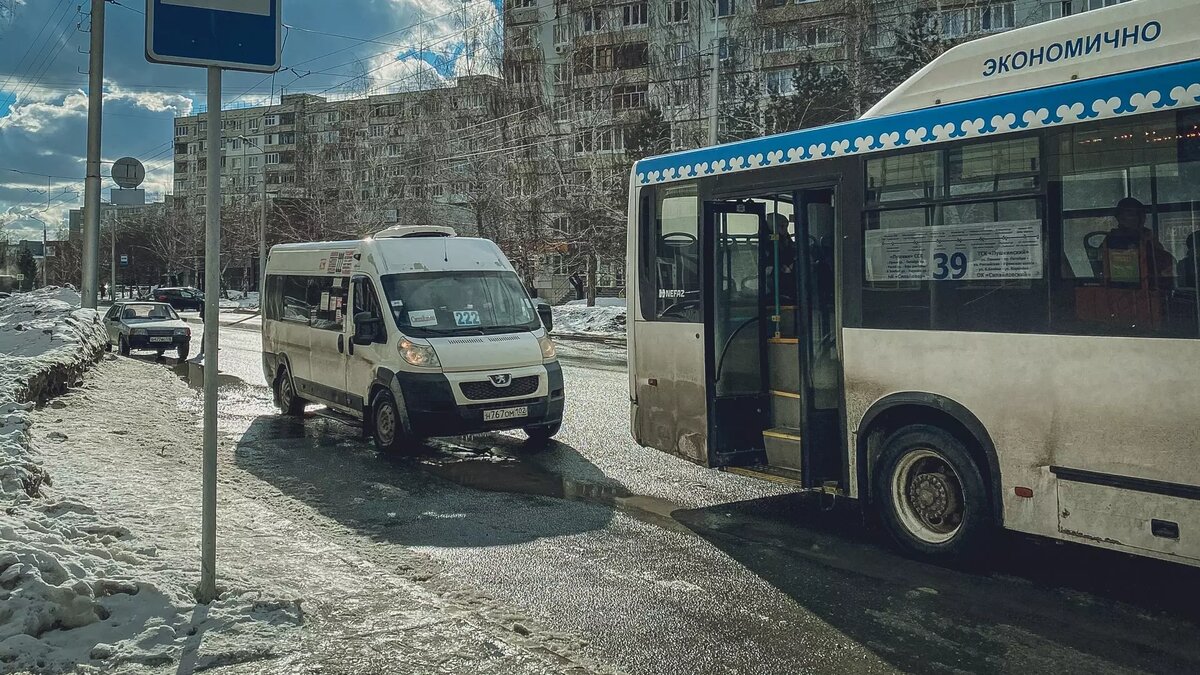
column 505, row 414
column 161, row 339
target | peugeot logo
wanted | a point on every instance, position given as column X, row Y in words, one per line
column 501, row 380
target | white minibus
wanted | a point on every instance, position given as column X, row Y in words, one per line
column 415, row 331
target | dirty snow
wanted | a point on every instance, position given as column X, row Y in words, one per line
column 239, row 300
column 78, row 589
column 602, row 320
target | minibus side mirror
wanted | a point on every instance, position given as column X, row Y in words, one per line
column 366, row 328
column 547, row 315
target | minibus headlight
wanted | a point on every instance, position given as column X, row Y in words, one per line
column 547, row 345
column 418, row 355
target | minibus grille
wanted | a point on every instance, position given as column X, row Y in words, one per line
column 480, row 391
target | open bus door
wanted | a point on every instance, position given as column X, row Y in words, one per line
column 734, row 331
column 774, row 376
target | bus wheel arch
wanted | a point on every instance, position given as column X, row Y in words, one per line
column 895, row 411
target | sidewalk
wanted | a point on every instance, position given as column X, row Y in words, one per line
column 358, row 616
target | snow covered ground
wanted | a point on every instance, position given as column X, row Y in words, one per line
column 78, row 589
column 239, row 300
column 603, row 320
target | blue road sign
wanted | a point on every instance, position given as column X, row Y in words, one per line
column 124, row 260
column 231, row 34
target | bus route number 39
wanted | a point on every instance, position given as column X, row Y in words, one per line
column 949, row 265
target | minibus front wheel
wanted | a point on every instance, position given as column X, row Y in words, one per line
column 387, row 426
column 285, row 394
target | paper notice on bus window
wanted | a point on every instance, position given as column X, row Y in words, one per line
column 981, row 251
column 422, row 317
column 325, row 302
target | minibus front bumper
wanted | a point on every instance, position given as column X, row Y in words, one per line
column 433, row 410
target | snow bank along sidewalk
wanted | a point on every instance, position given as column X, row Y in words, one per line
column 605, row 320
column 76, row 589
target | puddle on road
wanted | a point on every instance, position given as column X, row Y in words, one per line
column 484, row 466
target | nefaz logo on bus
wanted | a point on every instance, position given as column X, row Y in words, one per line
column 664, row 293
column 1118, row 38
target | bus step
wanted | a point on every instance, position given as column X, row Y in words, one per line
column 783, row 447
column 785, row 409
column 783, row 362
column 772, row 473
column 338, row 416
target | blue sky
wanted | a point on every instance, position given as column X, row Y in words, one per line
column 399, row 44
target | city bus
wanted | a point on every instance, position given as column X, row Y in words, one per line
column 975, row 307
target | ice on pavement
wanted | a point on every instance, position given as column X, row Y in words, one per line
column 239, row 300
column 607, row 320
column 76, row 589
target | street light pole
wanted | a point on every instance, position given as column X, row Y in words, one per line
column 262, row 219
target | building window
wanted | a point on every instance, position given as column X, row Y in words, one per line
column 779, row 82
column 634, row 15
column 271, row 120
column 726, row 47
column 562, row 32
column 1098, row 4
column 880, row 36
column 271, row 158
column 677, row 11
column 378, row 130
column 819, row 35
column 629, row 97
column 775, row 39
column 680, row 93
column 678, row 53
column 523, row 4
column 726, row 7
column 593, row 21
column 181, row 131
column 965, row 21
column 253, row 124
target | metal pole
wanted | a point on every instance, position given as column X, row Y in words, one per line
column 45, row 257
column 713, row 97
column 212, row 290
column 91, row 200
column 112, row 274
column 262, row 237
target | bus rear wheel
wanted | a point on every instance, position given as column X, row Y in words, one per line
column 931, row 495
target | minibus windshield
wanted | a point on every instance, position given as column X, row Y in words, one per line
column 429, row 304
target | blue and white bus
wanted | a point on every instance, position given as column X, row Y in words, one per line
column 974, row 307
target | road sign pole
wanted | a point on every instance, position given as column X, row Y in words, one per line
column 91, row 188
column 212, row 291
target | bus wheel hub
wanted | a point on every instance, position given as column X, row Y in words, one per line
column 933, row 497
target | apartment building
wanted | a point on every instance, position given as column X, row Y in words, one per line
column 342, row 167
column 595, row 65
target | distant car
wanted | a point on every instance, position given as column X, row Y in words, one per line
column 151, row 326
column 181, row 298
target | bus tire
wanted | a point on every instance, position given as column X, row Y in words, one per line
column 285, row 394
column 931, row 496
column 387, row 426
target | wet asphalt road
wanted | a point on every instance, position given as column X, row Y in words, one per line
column 664, row 567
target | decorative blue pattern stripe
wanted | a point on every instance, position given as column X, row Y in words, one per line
column 1162, row 88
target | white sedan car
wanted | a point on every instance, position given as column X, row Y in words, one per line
column 150, row 326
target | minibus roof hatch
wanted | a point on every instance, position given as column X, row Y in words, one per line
column 404, row 231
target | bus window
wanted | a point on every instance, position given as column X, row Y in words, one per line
column 673, row 256
column 1130, row 207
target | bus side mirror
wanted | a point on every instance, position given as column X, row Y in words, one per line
column 547, row 315
column 366, row 328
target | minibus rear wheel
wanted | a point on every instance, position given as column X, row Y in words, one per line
column 387, row 427
column 285, row 394
column 931, row 496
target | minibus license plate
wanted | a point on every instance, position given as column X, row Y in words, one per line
column 161, row 339
column 505, row 414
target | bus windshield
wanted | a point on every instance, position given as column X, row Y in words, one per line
column 429, row 304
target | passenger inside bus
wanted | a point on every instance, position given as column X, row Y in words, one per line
column 1132, row 254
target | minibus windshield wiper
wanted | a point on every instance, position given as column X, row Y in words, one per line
column 455, row 331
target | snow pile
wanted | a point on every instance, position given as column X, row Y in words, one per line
column 46, row 341
column 76, row 589
column 605, row 321
column 600, row 302
column 239, row 300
